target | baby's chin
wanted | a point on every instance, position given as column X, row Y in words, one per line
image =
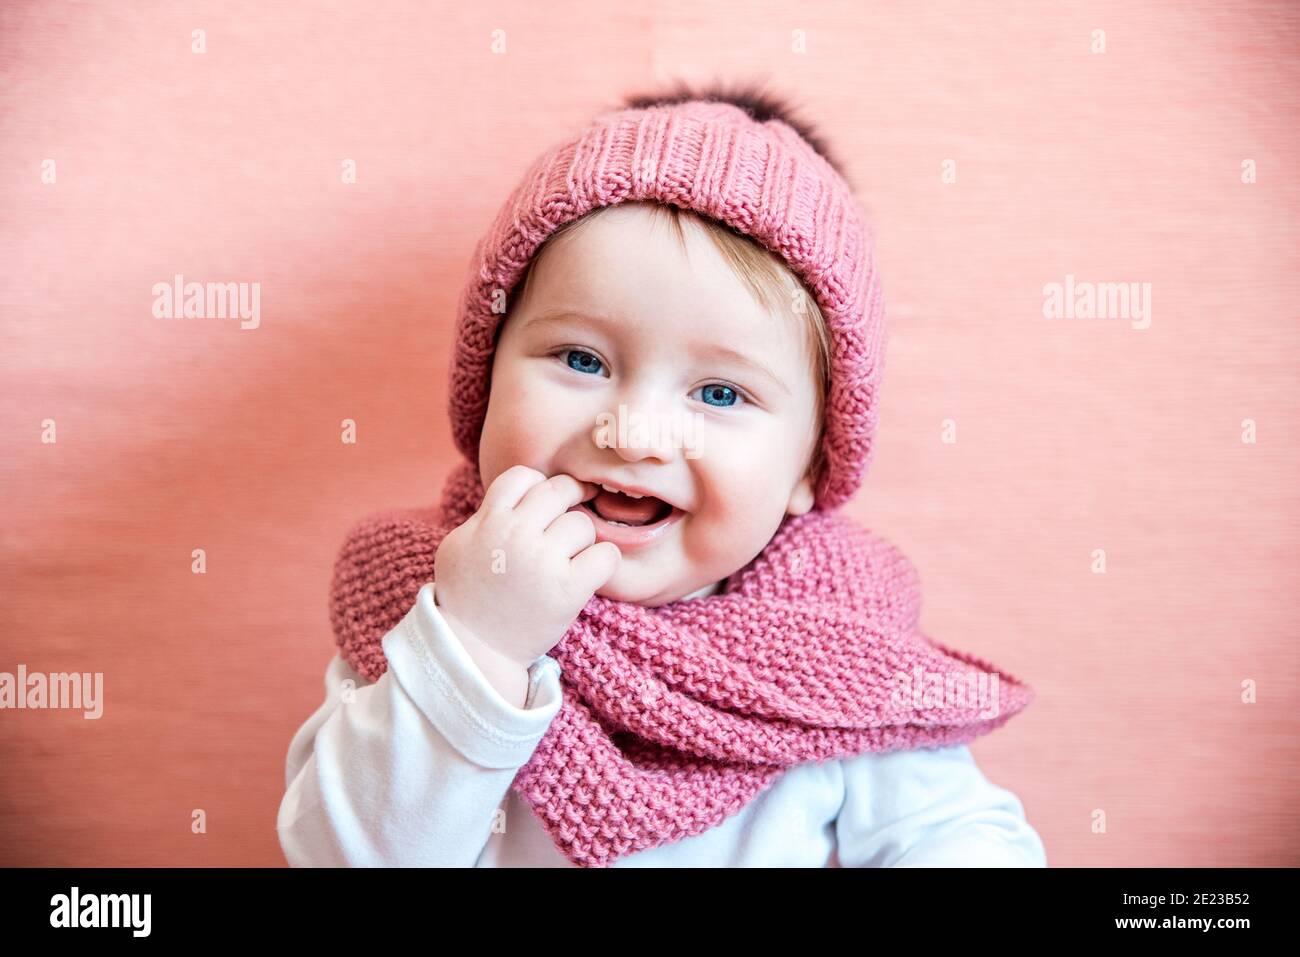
column 638, row 596
column 628, row 585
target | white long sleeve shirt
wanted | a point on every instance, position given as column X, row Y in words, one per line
column 415, row 770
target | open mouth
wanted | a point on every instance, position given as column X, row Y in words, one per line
column 630, row 522
column 623, row 510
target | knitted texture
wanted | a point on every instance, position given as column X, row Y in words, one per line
column 763, row 179
column 674, row 717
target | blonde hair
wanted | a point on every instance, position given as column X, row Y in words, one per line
column 769, row 279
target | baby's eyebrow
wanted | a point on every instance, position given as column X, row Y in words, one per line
column 566, row 315
column 739, row 358
column 716, row 350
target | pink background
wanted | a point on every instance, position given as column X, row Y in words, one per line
column 1072, row 435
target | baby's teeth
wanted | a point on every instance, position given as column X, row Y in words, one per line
column 628, row 494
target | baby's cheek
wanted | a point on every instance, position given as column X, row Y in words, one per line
column 717, row 536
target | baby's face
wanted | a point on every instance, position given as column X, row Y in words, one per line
column 621, row 325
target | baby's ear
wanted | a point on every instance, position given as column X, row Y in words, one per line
column 801, row 497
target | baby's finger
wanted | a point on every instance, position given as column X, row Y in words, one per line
column 510, row 486
column 571, row 532
column 547, row 501
column 594, row 566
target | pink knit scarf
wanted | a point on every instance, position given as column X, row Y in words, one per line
column 674, row 717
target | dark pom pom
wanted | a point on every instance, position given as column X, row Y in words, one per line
column 760, row 104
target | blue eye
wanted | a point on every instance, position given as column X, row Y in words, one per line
column 585, row 361
column 721, row 393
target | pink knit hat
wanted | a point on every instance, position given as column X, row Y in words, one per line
column 762, row 178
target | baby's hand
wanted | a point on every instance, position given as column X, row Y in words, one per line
column 514, row 576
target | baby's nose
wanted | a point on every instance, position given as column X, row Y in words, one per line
column 637, row 431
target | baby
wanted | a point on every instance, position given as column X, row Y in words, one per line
column 657, row 433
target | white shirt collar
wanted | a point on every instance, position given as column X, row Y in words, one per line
column 701, row 593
